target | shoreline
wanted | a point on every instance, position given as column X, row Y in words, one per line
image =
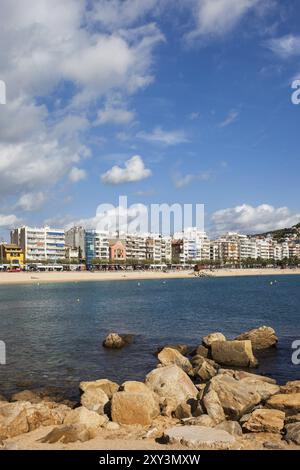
column 87, row 276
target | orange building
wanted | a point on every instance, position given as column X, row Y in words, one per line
column 117, row 250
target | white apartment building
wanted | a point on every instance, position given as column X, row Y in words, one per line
column 247, row 248
column 159, row 248
column 40, row 243
column 135, row 247
column 196, row 245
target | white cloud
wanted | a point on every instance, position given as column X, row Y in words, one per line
column 134, row 170
column 285, row 46
column 249, row 219
column 230, row 118
column 193, row 116
column 77, row 174
column 217, row 17
column 115, row 116
column 160, row 136
column 181, row 181
column 8, row 221
column 45, row 44
column 31, row 201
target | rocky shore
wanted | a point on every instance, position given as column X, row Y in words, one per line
column 207, row 398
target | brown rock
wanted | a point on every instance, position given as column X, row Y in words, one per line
column 265, row 420
column 291, row 387
column 200, row 351
column 203, row 420
column 232, row 427
column 82, row 415
column 169, row 356
column 26, row 395
column 114, row 341
column 261, row 338
column 213, row 406
column 233, row 353
column 95, row 399
column 182, row 348
column 13, row 420
column 205, row 369
column 133, row 408
column 106, row 385
column 45, row 414
column 293, row 433
column 288, row 402
column 209, row 339
column 171, row 382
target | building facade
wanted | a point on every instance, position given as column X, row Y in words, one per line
column 75, row 238
column 96, row 247
column 40, row 243
column 11, row 255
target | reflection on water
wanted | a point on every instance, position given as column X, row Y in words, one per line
column 52, row 339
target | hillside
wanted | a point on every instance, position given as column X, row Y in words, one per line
column 283, row 233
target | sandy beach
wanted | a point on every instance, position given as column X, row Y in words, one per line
column 84, row 276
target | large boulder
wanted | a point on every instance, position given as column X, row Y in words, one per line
column 133, row 408
column 45, row 414
column 82, row 415
column 168, row 356
column 26, row 395
column 200, row 351
column 171, row 382
column 139, row 387
column 199, row 436
column 293, row 433
column 288, row 402
column 67, row 433
column 261, row 338
column 242, row 374
column 182, row 348
column 235, row 397
column 213, row 406
column 95, row 399
column 233, row 353
column 232, row 427
column 265, row 420
column 106, row 385
column 209, row 339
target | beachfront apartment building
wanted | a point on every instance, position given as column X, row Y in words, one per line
column 40, row 243
column 158, row 248
column 75, row 239
column 195, row 245
column 96, row 246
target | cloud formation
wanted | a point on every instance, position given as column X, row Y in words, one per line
column 160, row 136
column 134, row 170
column 249, row 219
column 285, row 46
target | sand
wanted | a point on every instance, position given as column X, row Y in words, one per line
column 49, row 277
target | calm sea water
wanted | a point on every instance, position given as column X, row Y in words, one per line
column 54, row 340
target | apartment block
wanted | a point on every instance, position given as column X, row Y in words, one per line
column 40, row 243
column 75, row 239
column 96, row 246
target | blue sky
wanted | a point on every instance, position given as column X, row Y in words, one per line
column 188, row 103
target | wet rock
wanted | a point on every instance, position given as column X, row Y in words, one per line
column 213, row 406
column 200, row 351
column 106, row 385
column 82, row 415
column 196, row 436
column 95, row 399
column 291, row 387
column 114, row 341
column 265, row 420
column 232, row 427
column 209, row 339
column 26, row 395
column 233, row 353
column 288, row 402
column 261, row 338
column 2, row 398
column 66, row 434
column 133, row 408
column 171, row 382
column 169, row 356
column 293, row 433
